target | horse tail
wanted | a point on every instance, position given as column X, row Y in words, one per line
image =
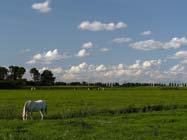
column 24, row 110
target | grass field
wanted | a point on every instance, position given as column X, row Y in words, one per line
column 129, row 114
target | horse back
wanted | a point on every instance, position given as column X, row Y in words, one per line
column 36, row 105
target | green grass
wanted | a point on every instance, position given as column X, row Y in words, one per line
column 98, row 115
column 167, row 125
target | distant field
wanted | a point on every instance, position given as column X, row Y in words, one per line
column 109, row 114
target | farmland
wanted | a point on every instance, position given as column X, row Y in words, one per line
column 124, row 113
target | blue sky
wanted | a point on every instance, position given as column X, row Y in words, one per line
column 100, row 40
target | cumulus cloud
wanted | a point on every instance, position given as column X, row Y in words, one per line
column 87, row 45
column 122, row 40
column 69, row 77
column 101, row 68
column 99, row 26
column 154, row 45
column 80, row 68
column 83, row 53
column 140, row 71
column 47, row 57
column 43, row 7
column 146, row 33
column 151, row 63
column 134, row 71
column 147, row 45
column 177, row 69
column 180, row 55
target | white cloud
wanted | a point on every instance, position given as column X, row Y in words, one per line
column 154, row 45
column 179, row 55
column 104, row 49
column 83, row 65
column 122, row 40
column 80, row 68
column 101, row 68
column 47, row 57
column 23, row 51
column 69, row 77
column 83, row 53
column 151, row 63
column 146, row 33
column 176, row 43
column 99, row 26
column 140, row 71
column 147, row 45
column 42, row 7
column 120, row 66
column 57, row 70
column 137, row 65
column 177, row 69
column 87, row 45
column 75, row 69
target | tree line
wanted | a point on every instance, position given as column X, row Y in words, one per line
column 12, row 77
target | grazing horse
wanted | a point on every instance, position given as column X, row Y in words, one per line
column 34, row 106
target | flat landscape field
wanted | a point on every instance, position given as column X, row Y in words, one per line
column 111, row 114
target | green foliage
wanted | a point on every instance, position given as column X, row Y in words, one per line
column 3, row 73
column 18, row 84
column 35, row 74
column 16, row 72
column 47, row 78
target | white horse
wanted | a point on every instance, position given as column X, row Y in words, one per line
column 34, row 106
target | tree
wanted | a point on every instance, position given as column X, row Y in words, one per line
column 47, row 78
column 21, row 72
column 35, row 74
column 3, row 73
column 13, row 72
column 16, row 72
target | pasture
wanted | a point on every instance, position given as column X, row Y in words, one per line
column 124, row 113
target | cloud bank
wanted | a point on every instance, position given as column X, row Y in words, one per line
column 148, row 45
column 99, row 26
column 47, row 57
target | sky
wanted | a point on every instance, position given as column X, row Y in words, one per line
column 97, row 41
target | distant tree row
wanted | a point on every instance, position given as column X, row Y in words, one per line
column 12, row 73
column 13, row 77
column 125, row 84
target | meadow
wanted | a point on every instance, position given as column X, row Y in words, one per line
column 115, row 113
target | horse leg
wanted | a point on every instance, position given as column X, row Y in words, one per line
column 30, row 115
column 26, row 115
column 42, row 115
